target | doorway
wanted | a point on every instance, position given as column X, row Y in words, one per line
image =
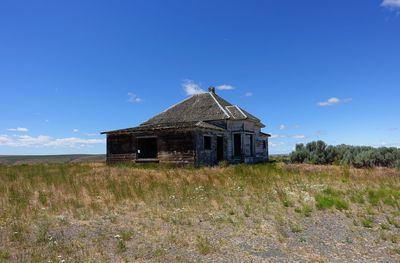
column 237, row 145
column 220, row 148
column 147, row 148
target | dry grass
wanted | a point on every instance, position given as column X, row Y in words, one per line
column 74, row 212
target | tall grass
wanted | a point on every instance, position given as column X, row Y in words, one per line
column 28, row 189
column 38, row 200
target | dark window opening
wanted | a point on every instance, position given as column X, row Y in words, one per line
column 207, row 143
column 251, row 145
column 220, row 148
column 237, row 147
column 120, row 144
column 264, row 145
column 147, row 148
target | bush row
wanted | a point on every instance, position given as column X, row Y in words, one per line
column 318, row 152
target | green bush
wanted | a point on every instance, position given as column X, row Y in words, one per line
column 397, row 165
column 319, row 152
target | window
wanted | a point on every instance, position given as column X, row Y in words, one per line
column 264, row 144
column 237, row 142
column 119, row 144
column 207, row 143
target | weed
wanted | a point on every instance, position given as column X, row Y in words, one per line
column 367, row 222
column 204, row 247
column 384, row 226
column 392, row 221
column 42, row 235
column 18, row 231
column 394, row 239
column 126, row 235
column 295, row 228
column 121, row 246
column 4, row 255
column 394, row 251
column 306, row 210
column 287, row 203
column 42, row 198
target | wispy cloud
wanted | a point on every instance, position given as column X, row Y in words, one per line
column 298, row 136
column 47, row 141
column 283, row 127
column 391, row 3
column 248, row 94
column 75, row 130
column 333, row 101
column 276, row 144
column 191, row 88
column 224, row 87
column 91, row 134
column 133, row 98
column 18, row 129
column 290, row 136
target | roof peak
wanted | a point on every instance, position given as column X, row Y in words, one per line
column 206, row 106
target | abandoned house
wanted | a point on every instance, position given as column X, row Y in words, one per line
column 204, row 129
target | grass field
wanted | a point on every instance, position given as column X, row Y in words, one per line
column 46, row 159
column 267, row 212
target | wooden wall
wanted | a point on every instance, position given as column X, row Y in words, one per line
column 173, row 146
column 187, row 146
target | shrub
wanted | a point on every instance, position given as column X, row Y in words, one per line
column 318, row 152
column 397, row 165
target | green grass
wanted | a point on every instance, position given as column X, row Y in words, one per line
column 331, row 198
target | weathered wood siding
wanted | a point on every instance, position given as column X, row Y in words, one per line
column 244, row 127
column 209, row 157
column 173, row 146
column 186, row 146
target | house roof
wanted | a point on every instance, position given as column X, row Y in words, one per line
column 201, row 107
column 166, row 126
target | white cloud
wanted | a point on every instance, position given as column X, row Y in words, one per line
column 248, row 94
column 191, row 88
column 282, row 127
column 47, row 141
column 18, row 129
column 277, row 144
column 391, row 3
column 290, row 136
column 133, row 98
column 225, row 87
column 333, row 101
column 75, row 130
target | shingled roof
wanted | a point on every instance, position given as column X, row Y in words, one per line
column 201, row 107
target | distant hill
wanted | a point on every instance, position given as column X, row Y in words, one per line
column 34, row 159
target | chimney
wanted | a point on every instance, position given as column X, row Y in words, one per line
column 211, row 89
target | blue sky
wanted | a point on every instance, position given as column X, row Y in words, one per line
column 310, row 70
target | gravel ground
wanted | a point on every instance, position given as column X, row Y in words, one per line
column 324, row 237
